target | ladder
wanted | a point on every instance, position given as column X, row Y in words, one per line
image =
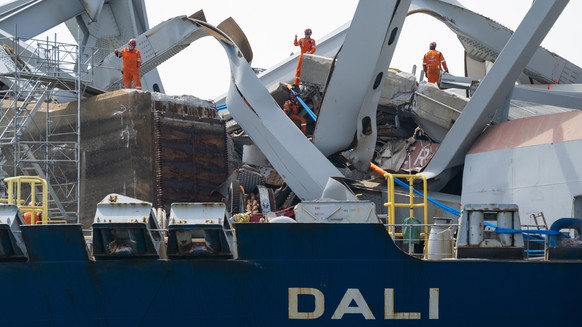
column 539, row 224
column 539, row 215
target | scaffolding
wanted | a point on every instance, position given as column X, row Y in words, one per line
column 39, row 133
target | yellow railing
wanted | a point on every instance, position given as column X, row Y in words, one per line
column 411, row 205
column 391, row 204
column 15, row 196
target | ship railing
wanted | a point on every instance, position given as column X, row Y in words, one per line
column 534, row 253
column 439, row 243
column 412, row 203
column 538, row 242
column 533, row 241
column 30, row 194
column 392, row 204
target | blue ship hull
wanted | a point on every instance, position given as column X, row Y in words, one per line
column 285, row 275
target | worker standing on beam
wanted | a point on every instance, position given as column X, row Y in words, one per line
column 307, row 45
column 433, row 63
column 131, row 64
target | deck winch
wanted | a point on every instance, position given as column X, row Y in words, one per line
column 490, row 231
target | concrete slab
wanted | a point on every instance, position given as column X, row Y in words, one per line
column 156, row 148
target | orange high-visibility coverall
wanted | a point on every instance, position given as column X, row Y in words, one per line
column 292, row 109
column 433, row 63
column 307, row 45
column 130, row 70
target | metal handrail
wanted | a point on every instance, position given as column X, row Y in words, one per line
column 15, row 185
column 391, row 204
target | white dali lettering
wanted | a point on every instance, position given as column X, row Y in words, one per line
column 353, row 303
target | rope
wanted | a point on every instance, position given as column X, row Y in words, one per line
column 429, row 199
column 307, row 109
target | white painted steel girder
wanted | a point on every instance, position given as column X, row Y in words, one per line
column 483, row 39
column 560, row 95
column 156, row 46
column 103, row 25
column 30, row 18
column 496, row 87
column 294, row 157
column 354, row 89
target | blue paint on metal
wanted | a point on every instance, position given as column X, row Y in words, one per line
column 254, row 289
column 46, row 243
column 502, row 230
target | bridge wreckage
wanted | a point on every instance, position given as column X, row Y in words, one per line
column 176, row 138
column 189, row 201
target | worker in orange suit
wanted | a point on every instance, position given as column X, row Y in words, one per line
column 131, row 64
column 291, row 108
column 433, row 63
column 307, row 45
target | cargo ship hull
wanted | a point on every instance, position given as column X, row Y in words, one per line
column 285, row 275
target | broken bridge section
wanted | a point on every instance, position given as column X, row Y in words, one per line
column 156, row 148
column 190, row 152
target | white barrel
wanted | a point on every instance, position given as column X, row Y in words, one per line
column 440, row 240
